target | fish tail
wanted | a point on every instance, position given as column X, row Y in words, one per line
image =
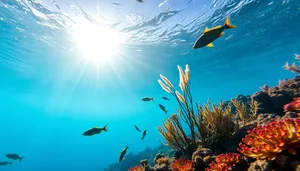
column 228, row 25
column 105, row 129
column 152, row 98
column 166, row 111
column 21, row 158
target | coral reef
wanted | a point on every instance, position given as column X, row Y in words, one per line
column 267, row 140
column 182, row 165
column 137, row 168
column 263, row 127
column 208, row 126
column 224, row 162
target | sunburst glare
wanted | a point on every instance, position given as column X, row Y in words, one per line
column 97, row 44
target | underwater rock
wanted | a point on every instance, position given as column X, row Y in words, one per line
column 235, row 140
column 146, row 166
column 202, row 157
column 272, row 99
column 162, row 162
column 135, row 159
column 295, row 165
column 260, row 165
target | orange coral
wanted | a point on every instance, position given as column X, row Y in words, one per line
column 224, row 162
column 267, row 140
column 293, row 106
column 137, row 168
column 182, row 165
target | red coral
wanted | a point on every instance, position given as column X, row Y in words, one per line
column 137, row 168
column 224, row 162
column 268, row 140
column 293, row 106
column 182, row 165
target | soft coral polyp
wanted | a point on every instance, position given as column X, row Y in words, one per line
column 267, row 140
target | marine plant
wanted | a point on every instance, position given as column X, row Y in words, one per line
column 224, row 162
column 172, row 129
column 241, row 111
column 214, row 123
column 211, row 122
column 136, row 168
column 265, row 141
column 294, row 68
column 182, row 165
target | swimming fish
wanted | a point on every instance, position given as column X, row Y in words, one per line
column 297, row 56
column 3, row 163
column 165, row 98
column 144, row 134
column 163, row 108
column 116, row 3
column 209, row 35
column 14, row 157
column 140, row 0
column 123, row 152
column 137, row 128
column 147, row 99
column 95, row 130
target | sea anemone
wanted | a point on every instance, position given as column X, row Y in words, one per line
column 265, row 141
column 293, row 106
column 182, row 165
column 224, row 162
column 137, row 168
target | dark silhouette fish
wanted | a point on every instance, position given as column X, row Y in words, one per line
column 144, row 134
column 137, row 128
column 147, row 99
column 209, row 35
column 140, row 0
column 163, row 108
column 116, row 3
column 123, row 153
column 4, row 163
column 14, row 157
column 165, row 98
column 94, row 131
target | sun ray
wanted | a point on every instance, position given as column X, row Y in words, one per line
column 97, row 44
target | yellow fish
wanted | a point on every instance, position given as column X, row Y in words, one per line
column 209, row 35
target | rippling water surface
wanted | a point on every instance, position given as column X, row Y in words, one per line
column 52, row 89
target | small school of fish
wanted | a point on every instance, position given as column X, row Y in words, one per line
column 11, row 157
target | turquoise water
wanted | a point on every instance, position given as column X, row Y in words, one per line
column 51, row 91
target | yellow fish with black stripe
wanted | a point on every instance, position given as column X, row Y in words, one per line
column 210, row 35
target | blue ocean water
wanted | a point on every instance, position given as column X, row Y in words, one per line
column 52, row 90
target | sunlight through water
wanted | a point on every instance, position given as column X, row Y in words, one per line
column 97, row 44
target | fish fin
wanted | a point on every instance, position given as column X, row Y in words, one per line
column 152, row 98
column 105, row 129
column 228, row 25
column 206, row 29
column 20, row 159
column 210, row 45
column 222, row 33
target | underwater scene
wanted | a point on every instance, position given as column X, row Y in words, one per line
column 150, row 85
